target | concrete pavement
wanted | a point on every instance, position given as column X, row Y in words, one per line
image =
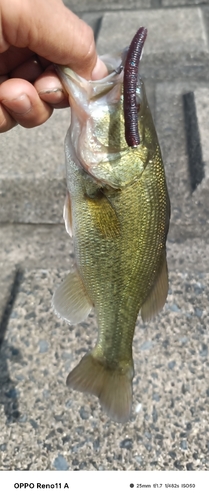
column 44, row 426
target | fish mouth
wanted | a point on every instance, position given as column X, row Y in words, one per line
column 122, row 68
column 89, row 102
column 93, row 88
column 105, row 112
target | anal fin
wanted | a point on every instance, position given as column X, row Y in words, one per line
column 157, row 297
column 70, row 300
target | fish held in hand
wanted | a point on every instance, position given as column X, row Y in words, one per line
column 117, row 211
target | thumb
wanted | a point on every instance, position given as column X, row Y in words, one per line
column 51, row 30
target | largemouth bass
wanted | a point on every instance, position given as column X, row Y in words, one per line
column 117, row 211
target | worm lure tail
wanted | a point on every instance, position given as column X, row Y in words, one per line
column 130, row 83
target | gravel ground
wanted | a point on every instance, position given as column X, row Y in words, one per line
column 169, row 424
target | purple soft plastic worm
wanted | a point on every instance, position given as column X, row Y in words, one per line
column 130, row 83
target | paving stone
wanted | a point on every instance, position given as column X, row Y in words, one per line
column 200, row 151
column 189, row 211
column 201, row 97
column 170, row 117
column 35, row 246
column 205, row 11
column 176, row 45
column 32, row 172
column 68, row 427
column 170, row 126
column 94, row 5
column 172, row 3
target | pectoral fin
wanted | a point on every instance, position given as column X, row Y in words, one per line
column 103, row 216
column 67, row 215
column 70, row 300
column 158, row 294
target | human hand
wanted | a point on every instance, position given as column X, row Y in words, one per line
column 33, row 35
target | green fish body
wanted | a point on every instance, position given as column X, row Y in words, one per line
column 117, row 211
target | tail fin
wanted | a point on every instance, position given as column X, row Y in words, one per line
column 113, row 388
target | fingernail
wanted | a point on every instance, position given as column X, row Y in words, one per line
column 20, row 105
column 52, row 91
column 52, row 96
